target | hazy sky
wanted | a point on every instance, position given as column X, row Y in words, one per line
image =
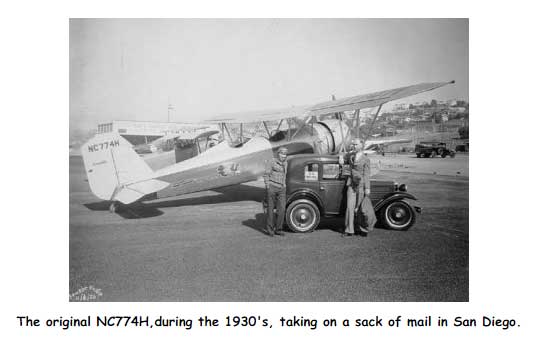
column 131, row 69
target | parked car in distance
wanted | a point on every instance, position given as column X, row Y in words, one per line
column 462, row 147
column 315, row 188
column 432, row 149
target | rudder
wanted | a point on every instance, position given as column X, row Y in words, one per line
column 111, row 163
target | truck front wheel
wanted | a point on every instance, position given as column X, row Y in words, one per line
column 398, row 215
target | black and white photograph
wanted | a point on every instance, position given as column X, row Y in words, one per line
column 268, row 160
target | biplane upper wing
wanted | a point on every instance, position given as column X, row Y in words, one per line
column 344, row 104
column 261, row 115
column 372, row 99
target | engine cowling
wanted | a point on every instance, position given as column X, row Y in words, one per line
column 325, row 137
column 331, row 133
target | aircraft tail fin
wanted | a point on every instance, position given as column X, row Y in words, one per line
column 114, row 170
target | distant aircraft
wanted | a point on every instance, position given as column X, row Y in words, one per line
column 378, row 146
column 117, row 174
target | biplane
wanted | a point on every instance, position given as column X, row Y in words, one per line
column 118, row 174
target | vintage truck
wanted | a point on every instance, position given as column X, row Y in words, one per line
column 315, row 188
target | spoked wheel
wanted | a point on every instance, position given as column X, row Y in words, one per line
column 398, row 215
column 302, row 216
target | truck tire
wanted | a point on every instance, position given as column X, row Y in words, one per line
column 302, row 216
column 398, row 215
column 433, row 154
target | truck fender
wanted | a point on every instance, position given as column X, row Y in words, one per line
column 395, row 196
column 308, row 194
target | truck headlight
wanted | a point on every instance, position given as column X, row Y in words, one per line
column 402, row 187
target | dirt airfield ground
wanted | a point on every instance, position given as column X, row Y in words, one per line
column 210, row 246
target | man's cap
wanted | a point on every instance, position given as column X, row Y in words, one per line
column 283, row 150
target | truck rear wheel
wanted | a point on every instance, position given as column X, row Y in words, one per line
column 302, row 216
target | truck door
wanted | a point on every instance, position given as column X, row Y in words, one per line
column 311, row 176
column 331, row 187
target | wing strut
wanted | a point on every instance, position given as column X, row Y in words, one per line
column 228, row 132
column 289, row 134
column 339, row 118
column 298, row 130
column 356, row 116
column 267, row 130
column 279, row 126
column 371, row 126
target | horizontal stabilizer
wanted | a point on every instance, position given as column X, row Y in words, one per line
column 132, row 192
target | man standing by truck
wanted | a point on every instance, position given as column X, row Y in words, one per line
column 275, row 180
column 358, row 188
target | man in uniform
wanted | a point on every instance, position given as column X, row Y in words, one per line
column 358, row 187
column 275, row 180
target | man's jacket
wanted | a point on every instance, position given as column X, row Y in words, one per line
column 360, row 171
column 275, row 174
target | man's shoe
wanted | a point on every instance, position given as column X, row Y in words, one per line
column 347, row 234
column 363, row 234
column 269, row 233
column 280, row 233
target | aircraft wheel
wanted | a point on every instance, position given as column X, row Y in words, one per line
column 398, row 215
column 302, row 216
